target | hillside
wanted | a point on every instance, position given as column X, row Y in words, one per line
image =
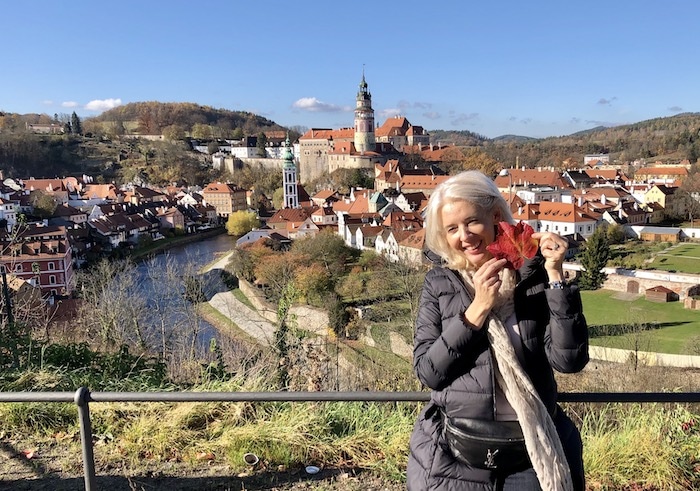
column 669, row 139
column 22, row 153
column 183, row 117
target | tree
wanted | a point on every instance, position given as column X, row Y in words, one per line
column 593, row 259
column 44, row 204
column 237, row 134
column 262, row 144
column 241, row 222
column 75, row 127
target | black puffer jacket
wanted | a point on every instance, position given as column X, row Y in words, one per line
column 454, row 361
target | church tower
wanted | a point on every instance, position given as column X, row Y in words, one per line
column 364, row 119
column 289, row 169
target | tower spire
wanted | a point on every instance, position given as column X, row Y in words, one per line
column 364, row 118
column 289, row 177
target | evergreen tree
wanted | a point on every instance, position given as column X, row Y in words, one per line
column 75, row 127
column 261, row 144
column 594, row 258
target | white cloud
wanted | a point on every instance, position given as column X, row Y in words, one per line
column 312, row 104
column 103, row 105
column 389, row 113
column 69, row 104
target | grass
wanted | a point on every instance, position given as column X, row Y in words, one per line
column 238, row 293
column 677, row 325
column 656, row 445
column 682, row 259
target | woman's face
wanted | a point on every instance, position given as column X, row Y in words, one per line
column 469, row 230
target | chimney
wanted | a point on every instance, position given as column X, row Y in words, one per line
column 580, row 201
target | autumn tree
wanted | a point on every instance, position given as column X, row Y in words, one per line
column 594, row 257
column 326, row 249
column 241, row 222
column 44, row 204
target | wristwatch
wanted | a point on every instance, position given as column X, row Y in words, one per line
column 557, row 285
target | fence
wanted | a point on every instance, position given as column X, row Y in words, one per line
column 83, row 397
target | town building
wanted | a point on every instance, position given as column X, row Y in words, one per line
column 226, row 198
column 41, row 255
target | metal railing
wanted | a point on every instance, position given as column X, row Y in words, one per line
column 83, row 397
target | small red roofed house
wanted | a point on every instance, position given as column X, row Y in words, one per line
column 411, row 247
column 565, row 219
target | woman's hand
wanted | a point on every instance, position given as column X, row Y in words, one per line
column 487, row 283
column 553, row 249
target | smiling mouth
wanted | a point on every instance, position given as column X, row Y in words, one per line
column 472, row 247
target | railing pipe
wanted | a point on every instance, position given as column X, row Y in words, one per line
column 82, row 396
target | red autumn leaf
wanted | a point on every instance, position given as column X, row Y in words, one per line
column 514, row 243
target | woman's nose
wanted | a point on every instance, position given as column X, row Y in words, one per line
column 464, row 233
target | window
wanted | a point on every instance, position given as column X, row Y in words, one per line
column 52, row 266
column 52, row 279
column 18, row 268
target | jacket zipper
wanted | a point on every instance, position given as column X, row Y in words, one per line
column 492, row 361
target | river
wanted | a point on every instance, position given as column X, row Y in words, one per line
column 158, row 279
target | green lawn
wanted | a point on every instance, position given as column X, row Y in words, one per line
column 677, row 325
column 683, row 259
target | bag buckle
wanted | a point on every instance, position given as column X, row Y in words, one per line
column 491, row 458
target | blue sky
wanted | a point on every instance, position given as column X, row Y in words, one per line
column 539, row 68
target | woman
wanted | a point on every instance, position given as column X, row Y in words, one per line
column 486, row 342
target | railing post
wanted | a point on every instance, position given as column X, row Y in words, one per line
column 82, row 396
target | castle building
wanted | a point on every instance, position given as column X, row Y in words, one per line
column 325, row 150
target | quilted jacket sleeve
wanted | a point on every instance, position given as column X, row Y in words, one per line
column 566, row 339
column 443, row 343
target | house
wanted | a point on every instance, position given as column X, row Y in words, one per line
column 561, row 218
column 67, row 215
column 324, row 215
column 366, row 236
column 264, row 233
column 289, row 219
column 656, row 234
column 411, row 248
column 425, row 184
column 171, row 218
column 9, row 211
column 665, row 196
column 226, row 198
column 41, row 255
column 400, row 133
column 662, row 174
column 526, row 177
column 142, row 195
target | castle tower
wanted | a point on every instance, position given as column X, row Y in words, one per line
column 289, row 180
column 364, row 119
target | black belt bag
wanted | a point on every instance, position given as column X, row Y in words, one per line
column 484, row 444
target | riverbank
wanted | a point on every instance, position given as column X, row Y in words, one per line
column 163, row 245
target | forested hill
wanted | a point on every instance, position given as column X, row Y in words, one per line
column 181, row 118
column 669, row 139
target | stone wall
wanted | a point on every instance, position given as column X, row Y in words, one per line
column 644, row 357
column 308, row 318
column 638, row 281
